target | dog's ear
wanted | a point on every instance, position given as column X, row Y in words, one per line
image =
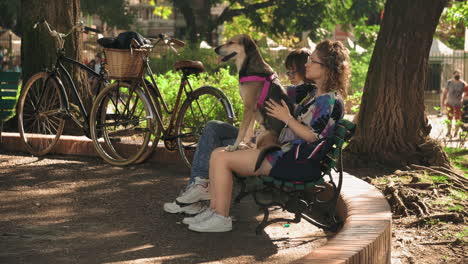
column 249, row 44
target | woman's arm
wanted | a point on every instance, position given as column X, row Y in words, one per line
column 281, row 112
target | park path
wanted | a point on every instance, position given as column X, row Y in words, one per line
column 80, row 210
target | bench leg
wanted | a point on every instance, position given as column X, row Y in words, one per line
column 242, row 192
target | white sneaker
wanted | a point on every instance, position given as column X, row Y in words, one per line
column 215, row 223
column 199, row 217
column 197, row 192
column 192, row 209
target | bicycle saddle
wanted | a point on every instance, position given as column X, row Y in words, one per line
column 189, row 66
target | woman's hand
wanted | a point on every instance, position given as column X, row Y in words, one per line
column 278, row 111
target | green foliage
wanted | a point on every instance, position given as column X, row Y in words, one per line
column 277, row 19
column 113, row 12
column 456, row 208
column 169, row 83
column 241, row 25
column 355, row 100
column 359, row 66
column 458, row 12
column 165, row 60
column 458, row 195
column 451, row 28
column 459, row 158
column 366, row 35
column 463, row 235
column 439, row 178
column 162, row 11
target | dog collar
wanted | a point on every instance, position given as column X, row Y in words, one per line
column 266, row 85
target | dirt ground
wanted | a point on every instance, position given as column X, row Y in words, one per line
column 432, row 241
column 81, row 210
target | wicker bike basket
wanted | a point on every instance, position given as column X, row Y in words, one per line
column 125, row 64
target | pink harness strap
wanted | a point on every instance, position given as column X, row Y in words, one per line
column 266, row 85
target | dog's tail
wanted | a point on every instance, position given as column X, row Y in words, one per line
column 263, row 154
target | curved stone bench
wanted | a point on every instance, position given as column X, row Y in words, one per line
column 365, row 237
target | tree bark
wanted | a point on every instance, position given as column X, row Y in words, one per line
column 392, row 127
column 188, row 11
column 38, row 48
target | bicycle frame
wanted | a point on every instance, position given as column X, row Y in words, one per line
column 158, row 99
column 57, row 72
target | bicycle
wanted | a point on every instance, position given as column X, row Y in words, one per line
column 128, row 113
column 44, row 102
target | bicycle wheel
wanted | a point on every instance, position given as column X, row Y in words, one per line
column 154, row 139
column 39, row 121
column 122, row 117
column 202, row 105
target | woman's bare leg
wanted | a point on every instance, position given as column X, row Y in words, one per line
column 222, row 165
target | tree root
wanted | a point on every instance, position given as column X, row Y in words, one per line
column 458, row 180
column 434, row 243
column 419, row 185
column 448, row 217
column 405, row 202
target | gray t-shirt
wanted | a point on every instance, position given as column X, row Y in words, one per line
column 455, row 93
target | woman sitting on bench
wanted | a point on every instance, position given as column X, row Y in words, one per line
column 328, row 67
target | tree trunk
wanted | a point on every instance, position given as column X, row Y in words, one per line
column 38, row 48
column 392, row 127
column 188, row 11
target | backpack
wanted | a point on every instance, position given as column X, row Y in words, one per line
column 123, row 40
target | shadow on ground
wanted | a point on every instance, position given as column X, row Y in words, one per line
column 80, row 210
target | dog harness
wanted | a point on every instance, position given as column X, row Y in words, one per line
column 266, row 85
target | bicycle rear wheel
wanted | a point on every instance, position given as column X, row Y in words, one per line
column 202, row 105
column 38, row 111
column 154, row 139
column 121, row 123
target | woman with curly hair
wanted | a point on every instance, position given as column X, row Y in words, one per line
column 304, row 134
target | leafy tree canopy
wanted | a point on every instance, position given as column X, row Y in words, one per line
column 278, row 18
column 113, row 12
column 454, row 20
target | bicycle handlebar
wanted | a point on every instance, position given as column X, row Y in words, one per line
column 59, row 36
column 97, row 31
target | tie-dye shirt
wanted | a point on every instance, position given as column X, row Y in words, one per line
column 320, row 114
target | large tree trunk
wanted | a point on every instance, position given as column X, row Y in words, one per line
column 39, row 48
column 392, row 127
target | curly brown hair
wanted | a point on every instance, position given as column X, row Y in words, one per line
column 335, row 57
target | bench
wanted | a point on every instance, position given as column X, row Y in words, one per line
column 9, row 86
column 314, row 202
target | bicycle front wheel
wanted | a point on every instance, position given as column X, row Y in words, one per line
column 202, row 105
column 38, row 111
column 121, row 123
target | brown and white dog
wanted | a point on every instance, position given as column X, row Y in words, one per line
column 252, row 69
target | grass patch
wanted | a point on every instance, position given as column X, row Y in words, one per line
column 459, row 158
column 439, row 179
column 456, row 208
column 463, row 235
column 458, row 195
